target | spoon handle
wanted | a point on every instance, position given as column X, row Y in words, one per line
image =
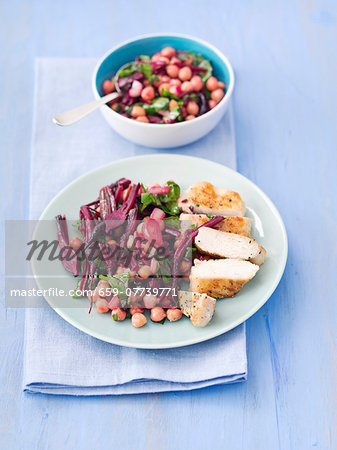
column 74, row 115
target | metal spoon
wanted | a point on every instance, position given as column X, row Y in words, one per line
column 76, row 114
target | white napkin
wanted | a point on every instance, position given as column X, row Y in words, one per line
column 59, row 359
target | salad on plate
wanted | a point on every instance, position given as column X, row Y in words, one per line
column 152, row 248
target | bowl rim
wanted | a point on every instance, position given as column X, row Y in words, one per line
column 224, row 100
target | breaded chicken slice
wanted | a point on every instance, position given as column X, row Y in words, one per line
column 198, row 307
column 225, row 245
column 220, row 278
column 230, row 224
column 204, row 198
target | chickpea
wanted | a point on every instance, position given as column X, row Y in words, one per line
column 192, row 108
column 174, row 314
column 190, row 117
column 168, row 52
column 175, row 82
column 172, row 70
column 156, row 57
column 145, row 271
column 217, row 95
column 185, row 74
column 138, row 111
column 173, row 104
column 101, row 306
column 130, row 241
column 174, row 60
column 95, row 297
column 165, row 86
column 157, row 314
column 212, row 83
column 114, row 302
column 118, row 314
column 148, row 93
column 150, row 301
column 212, row 103
column 75, row 243
column 142, row 119
column 133, row 311
column 108, row 87
column 175, row 90
column 197, row 83
column 114, row 105
column 187, row 86
column 164, row 79
column 185, row 266
column 120, row 269
column 164, row 59
column 103, row 288
column 110, row 241
column 138, row 320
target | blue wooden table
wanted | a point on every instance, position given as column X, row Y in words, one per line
column 284, row 56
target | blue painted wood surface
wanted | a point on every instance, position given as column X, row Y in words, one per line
column 284, row 56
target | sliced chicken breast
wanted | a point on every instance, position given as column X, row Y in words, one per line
column 204, row 198
column 220, row 278
column 225, row 245
column 230, row 224
column 198, row 307
column 259, row 259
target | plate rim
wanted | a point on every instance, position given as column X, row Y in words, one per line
column 188, row 342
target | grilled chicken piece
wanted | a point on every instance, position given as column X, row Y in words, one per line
column 198, row 307
column 230, row 224
column 204, row 198
column 259, row 259
column 225, row 245
column 221, row 277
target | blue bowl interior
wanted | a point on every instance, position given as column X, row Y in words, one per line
column 151, row 45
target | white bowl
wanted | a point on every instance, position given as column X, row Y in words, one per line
column 163, row 135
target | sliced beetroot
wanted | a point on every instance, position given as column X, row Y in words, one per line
column 158, row 190
column 68, row 256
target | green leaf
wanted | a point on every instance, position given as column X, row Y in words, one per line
column 174, row 114
column 128, row 110
column 188, row 253
column 145, row 57
column 166, row 93
column 205, row 64
column 172, row 221
column 192, row 96
column 167, row 202
column 119, row 281
column 129, row 70
column 114, row 316
column 175, row 189
column 146, row 69
column 76, row 224
column 147, row 199
column 158, row 104
column 77, row 288
column 207, row 93
column 184, row 56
